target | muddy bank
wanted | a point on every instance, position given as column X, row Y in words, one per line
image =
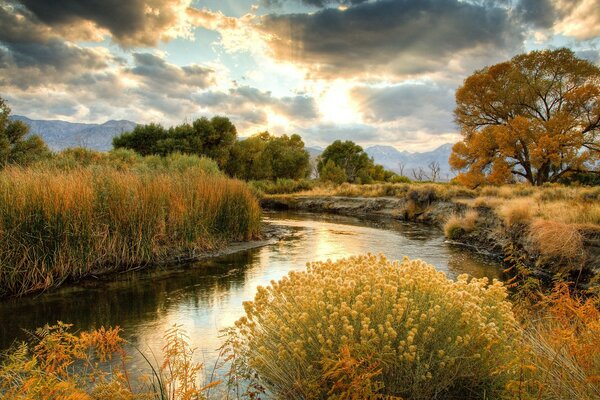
column 490, row 234
column 432, row 212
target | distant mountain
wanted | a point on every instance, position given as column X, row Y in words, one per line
column 60, row 135
column 406, row 162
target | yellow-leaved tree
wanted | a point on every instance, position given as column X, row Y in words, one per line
column 535, row 118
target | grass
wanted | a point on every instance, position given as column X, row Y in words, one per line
column 281, row 186
column 64, row 224
column 556, row 239
column 457, row 225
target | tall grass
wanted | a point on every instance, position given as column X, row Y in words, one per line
column 57, row 224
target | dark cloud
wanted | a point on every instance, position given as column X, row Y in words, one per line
column 255, row 104
column 30, row 55
column 394, row 38
column 160, row 77
column 540, row 13
column 314, row 3
column 130, row 22
column 424, row 106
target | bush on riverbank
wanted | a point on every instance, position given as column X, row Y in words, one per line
column 58, row 225
column 365, row 326
column 281, row 186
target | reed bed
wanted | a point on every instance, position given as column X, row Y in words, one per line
column 58, row 225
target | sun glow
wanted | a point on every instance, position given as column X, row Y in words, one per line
column 336, row 104
column 277, row 121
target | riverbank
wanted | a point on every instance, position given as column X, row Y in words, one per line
column 508, row 229
column 61, row 225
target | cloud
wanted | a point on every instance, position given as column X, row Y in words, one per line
column 129, row 22
column 314, row 3
column 386, row 38
column 158, row 77
column 426, row 107
column 257, row 105
column 540, row 13
column 31, row 55
column 579, row 19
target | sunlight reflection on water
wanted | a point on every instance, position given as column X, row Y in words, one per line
column 207, row 296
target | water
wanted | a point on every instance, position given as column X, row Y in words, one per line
column 207, row 296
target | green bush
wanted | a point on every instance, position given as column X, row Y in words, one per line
column 282, row 186
column 364, row 325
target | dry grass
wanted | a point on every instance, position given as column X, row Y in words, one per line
column 571, row 212
column 58, row 225
column 556, row 239
column 442, row 191
column 517, row 211
column 457, row 224
column 561, row 356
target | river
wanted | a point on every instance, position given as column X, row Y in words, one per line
column 207, row 296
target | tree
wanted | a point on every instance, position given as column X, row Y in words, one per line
column 212, row 138
column 330, row 172
column 347, row 155
column 216, row 136
column 535, row 117
column 143, row 139
column 15, row 146
column 434, row 168
column 265, row 156
column 287, row 157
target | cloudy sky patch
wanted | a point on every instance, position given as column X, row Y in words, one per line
column 373, row 71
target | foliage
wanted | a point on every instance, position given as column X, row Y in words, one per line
column 63, row 365
column 561, row 356
column 128, row 160
column 331, row 172
column 57, row 225
column 403, row 327
column 60, row 364
column 212, row 138
column 535, row 117
column 268, row 157
column 143, row 139
column 281, row 186
column 16, row 147
column 347, row 155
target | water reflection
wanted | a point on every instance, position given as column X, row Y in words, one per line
column 207, row 296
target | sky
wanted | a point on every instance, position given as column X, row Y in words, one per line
column 378, row 72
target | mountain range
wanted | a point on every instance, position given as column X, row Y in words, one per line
column 60, row 135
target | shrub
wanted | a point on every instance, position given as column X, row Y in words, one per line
column 282, row 186
column 556, row 239
column 403, row 329
column 60, row 364
column 458, row 225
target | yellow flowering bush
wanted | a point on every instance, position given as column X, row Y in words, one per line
column 366, row 325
